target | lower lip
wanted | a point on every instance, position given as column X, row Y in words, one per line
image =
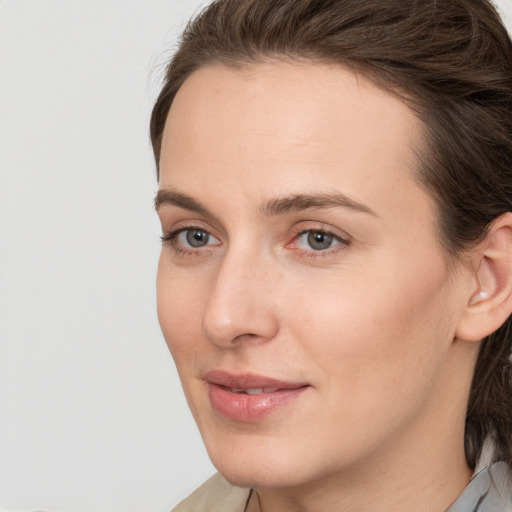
column 250, row 408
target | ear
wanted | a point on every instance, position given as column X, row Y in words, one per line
column 490, row 300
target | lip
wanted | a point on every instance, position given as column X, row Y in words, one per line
column 271, row 395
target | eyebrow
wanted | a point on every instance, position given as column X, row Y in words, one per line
column 167, row 196
column 277, row 206
column 299, row 202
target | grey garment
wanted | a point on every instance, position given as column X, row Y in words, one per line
column 490, row 490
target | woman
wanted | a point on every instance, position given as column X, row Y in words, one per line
column 335, row 282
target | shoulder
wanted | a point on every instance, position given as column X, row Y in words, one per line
column 215, row 495
column 490, row 490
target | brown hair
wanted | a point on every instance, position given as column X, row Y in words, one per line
column 451, row 62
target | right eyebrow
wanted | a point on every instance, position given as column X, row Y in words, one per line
column 168, row 196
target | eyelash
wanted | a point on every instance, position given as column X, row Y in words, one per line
column 170, row 238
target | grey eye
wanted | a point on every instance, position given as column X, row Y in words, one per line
column 190, row 239
column 319, row 241
column 195, row 237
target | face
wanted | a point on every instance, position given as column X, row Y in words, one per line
column 302, row 288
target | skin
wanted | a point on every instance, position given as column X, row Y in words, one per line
column 369, row 323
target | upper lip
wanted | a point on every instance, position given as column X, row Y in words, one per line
column 248, row 381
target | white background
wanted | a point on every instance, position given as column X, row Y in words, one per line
column 92, row 416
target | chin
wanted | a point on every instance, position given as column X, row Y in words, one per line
column 256, row 477
column 260, row 466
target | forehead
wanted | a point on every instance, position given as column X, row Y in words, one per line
column 290, row 125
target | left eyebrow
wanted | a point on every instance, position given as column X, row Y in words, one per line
column 299, row 202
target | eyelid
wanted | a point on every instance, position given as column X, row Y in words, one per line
column 307, row 226
column 183, row 225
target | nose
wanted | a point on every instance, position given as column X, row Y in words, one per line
column 241, row 307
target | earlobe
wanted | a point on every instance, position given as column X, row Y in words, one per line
column 490, row 304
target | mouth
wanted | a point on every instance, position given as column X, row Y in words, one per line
column 253, row 391
column 249, row 382
column 250, row 398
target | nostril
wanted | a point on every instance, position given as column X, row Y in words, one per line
column 245, row 337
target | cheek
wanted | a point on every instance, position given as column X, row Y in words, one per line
column 179, row 306
column 377, row 329
column 376, row 346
